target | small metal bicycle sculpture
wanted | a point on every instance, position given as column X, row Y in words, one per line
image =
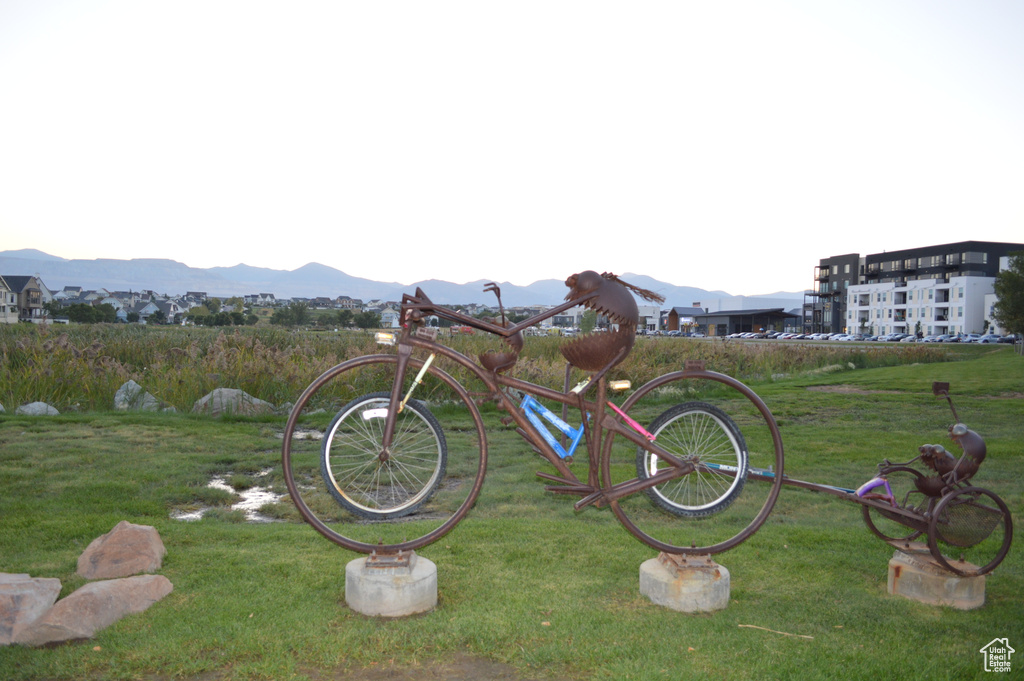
column 380, row 477
column 939, row 503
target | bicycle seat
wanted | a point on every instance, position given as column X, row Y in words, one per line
column 498, row 361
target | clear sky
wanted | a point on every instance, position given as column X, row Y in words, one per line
column 724, row 145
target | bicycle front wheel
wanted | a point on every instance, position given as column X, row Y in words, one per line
column 704, row 435
column 376, row 486
column 363, row 498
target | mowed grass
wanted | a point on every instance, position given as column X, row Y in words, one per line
column 524, row 579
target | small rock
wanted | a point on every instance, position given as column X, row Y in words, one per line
column 231, row 401
column 95, row 606
column 23, row 600
column 127, row 549
column 36, row 409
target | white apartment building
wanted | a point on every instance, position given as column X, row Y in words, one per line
column 926, row 306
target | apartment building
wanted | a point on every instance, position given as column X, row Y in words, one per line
column 825, row 304
column 930, row 290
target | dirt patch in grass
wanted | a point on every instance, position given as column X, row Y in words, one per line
column 849, row 390
column 459, row 668
column 853, row 390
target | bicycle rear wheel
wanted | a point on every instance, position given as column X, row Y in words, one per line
column 704, row 435
column 975, row 524
column 343, row 487
column 721, row 518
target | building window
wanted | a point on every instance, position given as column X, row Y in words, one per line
column 846, row 268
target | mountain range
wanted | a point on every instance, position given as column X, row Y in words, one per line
column 311, row 281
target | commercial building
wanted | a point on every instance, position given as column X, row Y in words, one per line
column 930, row 290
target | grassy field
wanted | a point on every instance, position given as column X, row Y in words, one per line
column 523, row 580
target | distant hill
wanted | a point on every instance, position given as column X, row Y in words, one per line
column 310, row 281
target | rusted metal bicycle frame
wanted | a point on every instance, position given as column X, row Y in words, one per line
column 604, row 293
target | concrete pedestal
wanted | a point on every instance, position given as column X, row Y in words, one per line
column 914, row 574
column 391, row 588
column 685, row 583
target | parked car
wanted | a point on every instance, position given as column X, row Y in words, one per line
column 1008, row 339
column 971, row 338
column 947, row 338
column 989, row 338
column 909, row 339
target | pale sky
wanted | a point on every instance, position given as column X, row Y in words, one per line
column 725, row 145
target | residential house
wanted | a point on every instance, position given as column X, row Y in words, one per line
column 390, row 318
column 31, row 294
column 68, row 292
column 8, row 304
column 346, row 303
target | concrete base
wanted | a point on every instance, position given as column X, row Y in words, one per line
column 914, row 574
column 391, row 591
column 686, row 584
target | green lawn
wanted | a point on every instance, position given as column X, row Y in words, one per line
column 524, row 579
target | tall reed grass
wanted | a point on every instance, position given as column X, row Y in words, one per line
column 80, row 367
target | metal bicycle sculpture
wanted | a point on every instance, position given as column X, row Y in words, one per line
column 391, row 470
column 940, row 503
column 404, row 457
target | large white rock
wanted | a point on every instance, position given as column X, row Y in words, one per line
column 36, row 409
column 231, row 401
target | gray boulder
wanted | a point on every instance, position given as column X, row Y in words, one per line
column 23, row 600
column 131, row 396
column 93, row 607
column 127, row 549
column 36, row 409
column 231, row 401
